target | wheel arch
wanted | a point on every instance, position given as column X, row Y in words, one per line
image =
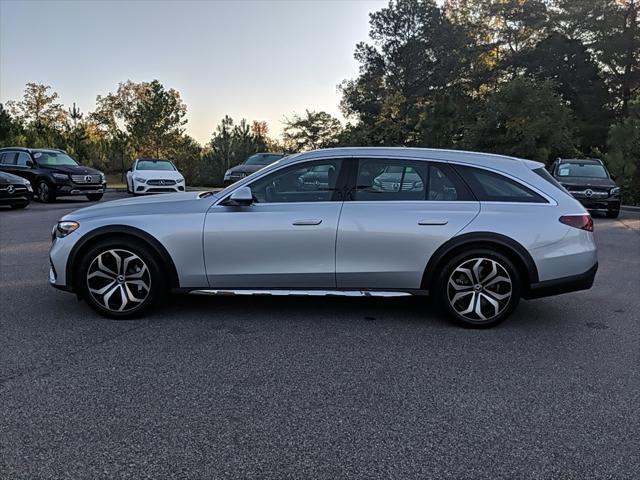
column 500, row 243
column 120, row 231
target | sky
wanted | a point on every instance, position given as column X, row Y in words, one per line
column 259, row 60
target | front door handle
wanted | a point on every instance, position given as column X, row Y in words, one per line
column 299, row 223
column 433, row 222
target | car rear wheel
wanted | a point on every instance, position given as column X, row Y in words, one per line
column 44, row 192
column 479, row 288
column 120, row 279
column 95, row 197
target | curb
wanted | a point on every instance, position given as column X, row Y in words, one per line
column 630, row 208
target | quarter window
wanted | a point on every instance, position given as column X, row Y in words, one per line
column 492, row 187
column 308, row 182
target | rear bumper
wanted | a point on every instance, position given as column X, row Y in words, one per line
column 557, row 286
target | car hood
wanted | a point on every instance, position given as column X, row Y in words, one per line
column 157, row 174
column 71, row 169
column 138, row 205
column 7, row 178
column 586, row 182
column 246, row 168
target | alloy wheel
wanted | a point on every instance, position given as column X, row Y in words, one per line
column 119, row 280
column 43, row 192
column 479, row 289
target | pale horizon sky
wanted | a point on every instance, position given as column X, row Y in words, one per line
column 259, row 60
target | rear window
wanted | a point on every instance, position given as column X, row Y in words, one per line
column 493, row 187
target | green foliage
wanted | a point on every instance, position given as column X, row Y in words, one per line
column 524, row 119
column 311, row 131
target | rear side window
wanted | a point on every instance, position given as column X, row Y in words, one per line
column 493, row 187
column 8, row 158
column 381, row 179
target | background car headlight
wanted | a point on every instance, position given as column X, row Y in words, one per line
column 140, row 180
column 61, row 176
column 103, row 177
column 180, row 180
column 615, row 191
column 64, row 228
column 227, row 174
column 29, row 187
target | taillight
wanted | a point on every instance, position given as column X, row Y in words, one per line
column 583, row 222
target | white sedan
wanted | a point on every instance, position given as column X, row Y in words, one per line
column 150, row 175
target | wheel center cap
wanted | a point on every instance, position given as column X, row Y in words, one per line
column 477, row 287
column 120, row 278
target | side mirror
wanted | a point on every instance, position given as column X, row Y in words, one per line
column 30, row 163
column 242, row 197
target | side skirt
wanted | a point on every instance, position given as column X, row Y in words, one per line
column 313, row 293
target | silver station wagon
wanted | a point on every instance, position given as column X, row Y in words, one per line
column 476, row 231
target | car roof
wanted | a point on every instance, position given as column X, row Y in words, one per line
column 501, row 162
column 588, row 161
column 34, row 150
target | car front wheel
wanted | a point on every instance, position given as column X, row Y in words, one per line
column 44, row 192
column 120, row 279
column 479, row 288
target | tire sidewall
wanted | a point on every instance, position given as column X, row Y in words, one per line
column 456, row 261
column 158, row 284
column 50, row 197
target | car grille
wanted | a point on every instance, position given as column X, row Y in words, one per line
column 391, row 186
column 589, row 192
column 161, row 182
column 17, row 189
column 85, row 178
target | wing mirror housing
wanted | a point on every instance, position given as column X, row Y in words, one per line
column 30, row 163
column 242, row 197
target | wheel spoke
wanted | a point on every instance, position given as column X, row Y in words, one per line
column 492, row 302
column 139, row 274
column 459, row 287
column 102, row 267
column 101, row 274
column 101, row 291
column 107, row 296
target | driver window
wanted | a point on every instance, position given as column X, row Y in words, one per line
column 308, row 182
column 22, row 159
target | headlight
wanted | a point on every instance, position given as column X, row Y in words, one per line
column 227, row 174
column 141, row 180
column 62, row 229
column 614, row 191
column 29, row 187
column 180, row 180
column 61, row 176
column 103, row 177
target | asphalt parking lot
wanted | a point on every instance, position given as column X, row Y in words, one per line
column 316, row 388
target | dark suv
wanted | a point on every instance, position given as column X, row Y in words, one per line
column 589, row 182
column 53, row 173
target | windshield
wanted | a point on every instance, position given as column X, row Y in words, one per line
column 54, row 159
column 155, row 165
column 589, row 170
column 262, row 158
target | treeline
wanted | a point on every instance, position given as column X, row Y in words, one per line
column 531, row 78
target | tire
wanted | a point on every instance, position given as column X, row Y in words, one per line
column 115, row 293
column 95, row 197
column 613, row 213
column 479, row 302
column 17, row 206
column 44, row 192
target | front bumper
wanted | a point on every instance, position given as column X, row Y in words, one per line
column 17, row 197
column 557, row 286
column 70, row 188
column 600, row 204
column 141, row 189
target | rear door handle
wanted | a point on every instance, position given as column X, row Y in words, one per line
column 299, row 223
column 433, row 222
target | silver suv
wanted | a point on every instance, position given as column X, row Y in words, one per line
column 477, row 231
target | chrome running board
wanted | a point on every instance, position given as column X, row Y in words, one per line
column 310, row 293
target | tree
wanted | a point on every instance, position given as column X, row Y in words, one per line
column 577, row 80
column 39, row 109
column 311, row 131
column 11, row 131
column 524, row 119
column 609, row 30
